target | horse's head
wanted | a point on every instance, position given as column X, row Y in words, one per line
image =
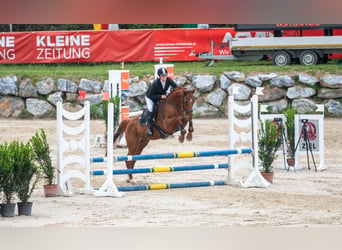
column 182, row 100
column 188, row 102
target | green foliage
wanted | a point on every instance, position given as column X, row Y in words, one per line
column 41, row 151
column 95, row 112
column 26, row 173
column 117, row 110
column 290, row 131
column 63, row 27
column 51, row 114
column 24, row 114
column 269, row 109
column 269, row 140
column 44, row 27
column 7, row 180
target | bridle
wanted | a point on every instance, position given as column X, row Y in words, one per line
column 185, row 100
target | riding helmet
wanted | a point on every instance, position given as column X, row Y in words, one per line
column 162, row 71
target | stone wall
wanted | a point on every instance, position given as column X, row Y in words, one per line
column 22, row 95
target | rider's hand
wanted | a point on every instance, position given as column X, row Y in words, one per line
column 163, row 97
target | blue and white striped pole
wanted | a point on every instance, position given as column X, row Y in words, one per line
column 164, row 169
column 223, row 152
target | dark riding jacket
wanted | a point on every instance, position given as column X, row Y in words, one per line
column 156, row 90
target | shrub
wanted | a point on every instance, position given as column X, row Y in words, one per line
column 26, row 173
column 41, row 151
column 95, row 112
column 269, row 140
column 7, row 183
column 290, row 131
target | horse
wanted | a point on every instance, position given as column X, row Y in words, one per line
column 173, row 114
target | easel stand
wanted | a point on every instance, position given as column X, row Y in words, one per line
column 279, row 123
column 304, row 134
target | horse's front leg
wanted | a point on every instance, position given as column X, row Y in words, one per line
column 190, row 131
column 183, row 132
column 130, row 165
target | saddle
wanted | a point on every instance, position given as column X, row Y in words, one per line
column 143, row 116
column 143, row 121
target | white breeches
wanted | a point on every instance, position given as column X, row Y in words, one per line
column 149, row 104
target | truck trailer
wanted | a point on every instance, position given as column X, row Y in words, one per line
column 307, row 50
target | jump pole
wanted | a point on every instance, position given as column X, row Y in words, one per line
column 171, row 186
column 223, row 152
column 164, row 169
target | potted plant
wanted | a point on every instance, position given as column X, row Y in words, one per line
column 41, row 151
column 269, row 140
column 26, row 175
column 7, row 183
column 290, row 132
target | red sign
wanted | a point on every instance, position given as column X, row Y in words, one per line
column 124, row 95
column 82, row 95
column 183, row 43
column 311, row 129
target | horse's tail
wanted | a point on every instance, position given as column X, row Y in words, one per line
column 120, row 131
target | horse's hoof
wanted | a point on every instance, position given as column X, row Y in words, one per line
column 189, row 137
column 181, row 139
column 130, row 181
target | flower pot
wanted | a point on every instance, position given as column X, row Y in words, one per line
column 8, row 209
column 50, row 190
column 25, row 208
column 268, row 176
column 290, row 162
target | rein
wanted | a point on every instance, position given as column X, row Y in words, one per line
column 182, row 109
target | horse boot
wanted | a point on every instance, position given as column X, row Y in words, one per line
column 149, row 123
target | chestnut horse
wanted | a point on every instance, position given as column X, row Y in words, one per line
column 173, row 114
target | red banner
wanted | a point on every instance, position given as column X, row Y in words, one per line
column 87, row 46
column 122, row 45
column 15, row 48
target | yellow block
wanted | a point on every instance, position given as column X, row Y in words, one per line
column 157, row 186
column 97, row 26
column 162, row 169
column 186, row 154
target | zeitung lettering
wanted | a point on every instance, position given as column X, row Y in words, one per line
column 62, row 53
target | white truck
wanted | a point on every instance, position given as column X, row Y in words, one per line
column 308, row 50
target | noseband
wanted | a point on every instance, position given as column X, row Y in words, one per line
column 184, row 110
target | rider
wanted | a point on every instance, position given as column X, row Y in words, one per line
column 158, row 90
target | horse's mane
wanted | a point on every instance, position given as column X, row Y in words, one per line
column 173, row 91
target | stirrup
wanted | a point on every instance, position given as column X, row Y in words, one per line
column 149, row 132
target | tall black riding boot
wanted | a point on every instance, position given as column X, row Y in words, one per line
column 149, row 123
